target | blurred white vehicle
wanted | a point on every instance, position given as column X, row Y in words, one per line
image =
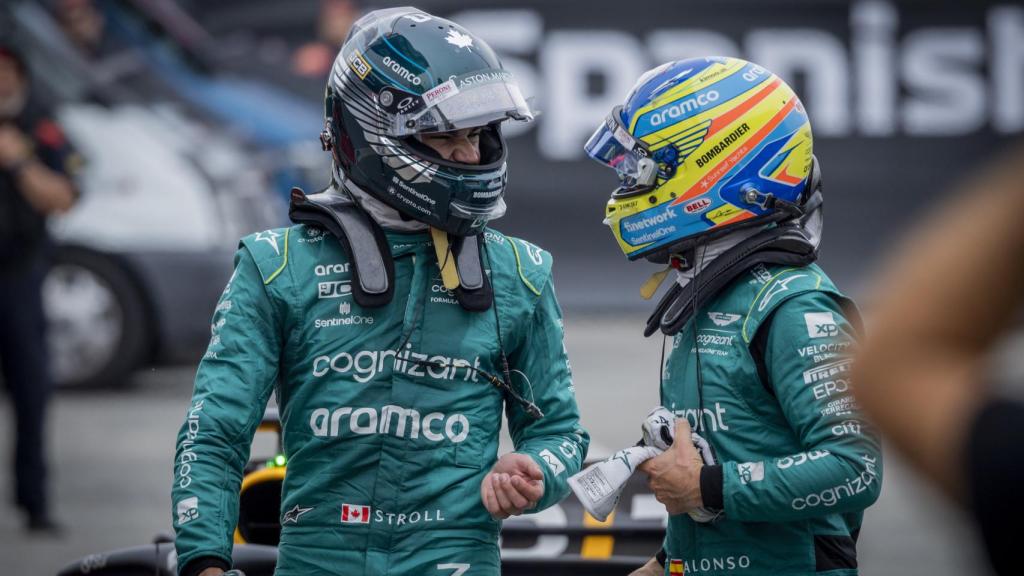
column 166, row 193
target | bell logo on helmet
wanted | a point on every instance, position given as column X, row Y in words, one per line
column 697, row 206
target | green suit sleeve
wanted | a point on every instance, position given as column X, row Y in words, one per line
column 232, row 386
column 556, row 442
column 808, row 354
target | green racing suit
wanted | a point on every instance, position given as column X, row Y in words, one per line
column 385, row 455
column 797, row 465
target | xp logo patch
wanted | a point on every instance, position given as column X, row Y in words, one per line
column 821, row 324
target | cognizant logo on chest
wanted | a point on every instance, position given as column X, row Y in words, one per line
column 365, row 365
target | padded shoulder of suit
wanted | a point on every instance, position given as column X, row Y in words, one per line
column 531, row 263
column 269, row 250
column 786, row 283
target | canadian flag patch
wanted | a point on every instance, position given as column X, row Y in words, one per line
column 353, row 514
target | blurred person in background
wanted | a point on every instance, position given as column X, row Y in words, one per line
column 948, row 297
column 84, row 25
column 394, row 327
column 314, row 59
column 36, row 169
column 718, row 181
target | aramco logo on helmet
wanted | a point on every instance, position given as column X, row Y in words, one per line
column 402, row 71
column 681, row 108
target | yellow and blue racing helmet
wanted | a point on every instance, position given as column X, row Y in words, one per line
column 702, row 147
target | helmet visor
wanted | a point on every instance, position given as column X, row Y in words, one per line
column 612, row 145
column 467, row 101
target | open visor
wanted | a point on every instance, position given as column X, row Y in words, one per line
column 467, row 101
column 612, row 145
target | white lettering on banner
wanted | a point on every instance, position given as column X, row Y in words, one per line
column 851, row 487
column 187, row 455
column 877, row 77
column 716, row 417
column 393, row 421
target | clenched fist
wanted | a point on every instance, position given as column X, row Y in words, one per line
column 513, row 485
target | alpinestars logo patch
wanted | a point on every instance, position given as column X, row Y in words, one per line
column 294, row 514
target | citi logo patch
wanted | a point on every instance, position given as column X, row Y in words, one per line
column 355, row 514
column 821, row 324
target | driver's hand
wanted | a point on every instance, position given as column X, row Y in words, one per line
column 513, row 485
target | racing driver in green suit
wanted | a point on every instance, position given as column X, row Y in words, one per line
column 719, row 184
column 392, row 327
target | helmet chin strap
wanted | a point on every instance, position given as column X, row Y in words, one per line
column 362, row 238
column 792, row 243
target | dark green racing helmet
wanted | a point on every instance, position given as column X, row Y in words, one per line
column 403, row 72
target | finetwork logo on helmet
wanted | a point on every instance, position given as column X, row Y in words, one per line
column 649, row 221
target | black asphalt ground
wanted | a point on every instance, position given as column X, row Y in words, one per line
column 112, row 452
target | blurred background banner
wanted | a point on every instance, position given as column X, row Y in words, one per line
column 903, row 97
